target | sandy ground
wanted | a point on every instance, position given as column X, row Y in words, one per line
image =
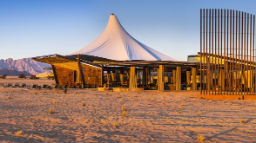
column 94, row 116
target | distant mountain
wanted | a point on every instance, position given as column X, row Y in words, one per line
column 26, row 65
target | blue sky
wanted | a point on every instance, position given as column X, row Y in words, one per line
column 31, row 28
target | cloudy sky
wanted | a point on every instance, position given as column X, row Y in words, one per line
column 31, row 28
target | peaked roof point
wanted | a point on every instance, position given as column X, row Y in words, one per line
column 115, row 43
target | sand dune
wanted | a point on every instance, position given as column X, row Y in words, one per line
column 93, row 116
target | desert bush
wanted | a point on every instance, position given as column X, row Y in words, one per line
column 3, row 76
column 180, row 106
column 51, row 111
column 200, row 138
column 115, row 124
column 53, row 101
column 18, row 133
column 243, row 121
column 124, row 114
column 33, row 77
column 123, row 109
column 22, row 76
column 65, row 90
column 83, row 104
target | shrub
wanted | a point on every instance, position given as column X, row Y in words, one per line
column 22, row 76
column 51, row 111
column 200, row 138
column 243, row 121
column 3, row 76
column 124, row 114
column 33, row 77
column 123, row 109
column 18, row 133
column 115, row 124
column 65, row 90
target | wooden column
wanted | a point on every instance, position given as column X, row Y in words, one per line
column 160, row 78
column 108, row 77
column 132, row 79
column 174, row 76
column 194, row 84
column 145, row 76
column 113, row 75
column 188, row 77
column 178, row 78
column 122, row 76
column 102, row 77
column 55, row 74
column 81, row 73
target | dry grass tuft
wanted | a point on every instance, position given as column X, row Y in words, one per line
column 83, row 104
column 121, row 100
column 115, row 124
column 65, row 90
column 18, row 133
column 180, row 106
column 124, row 114
column 243, row 121
column 123, row 109
column 200, row 138
column 53, row 101
column 164, row 102
column 9, row 97
column 51, row 111
column 200, row 114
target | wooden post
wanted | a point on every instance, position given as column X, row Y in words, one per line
column 174, row 77
column 178, row 78
column 81, row 73
column 194, row 84
column 122, row 76
column 132, row 79
column 55, row 74
column 223, row 79
column 113, row 75
column 160, row 78
column 108, row 77
column 145, row 76
column 102, row 77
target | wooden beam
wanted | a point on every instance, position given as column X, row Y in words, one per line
column 55, row 74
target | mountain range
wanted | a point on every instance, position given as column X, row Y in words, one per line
column 26, row 66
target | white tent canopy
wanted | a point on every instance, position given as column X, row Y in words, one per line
column 116, row 44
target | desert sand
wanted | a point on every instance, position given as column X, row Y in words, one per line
column 93, row 116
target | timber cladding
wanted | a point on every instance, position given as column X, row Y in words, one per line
column 92, row 75
column 64, row 75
